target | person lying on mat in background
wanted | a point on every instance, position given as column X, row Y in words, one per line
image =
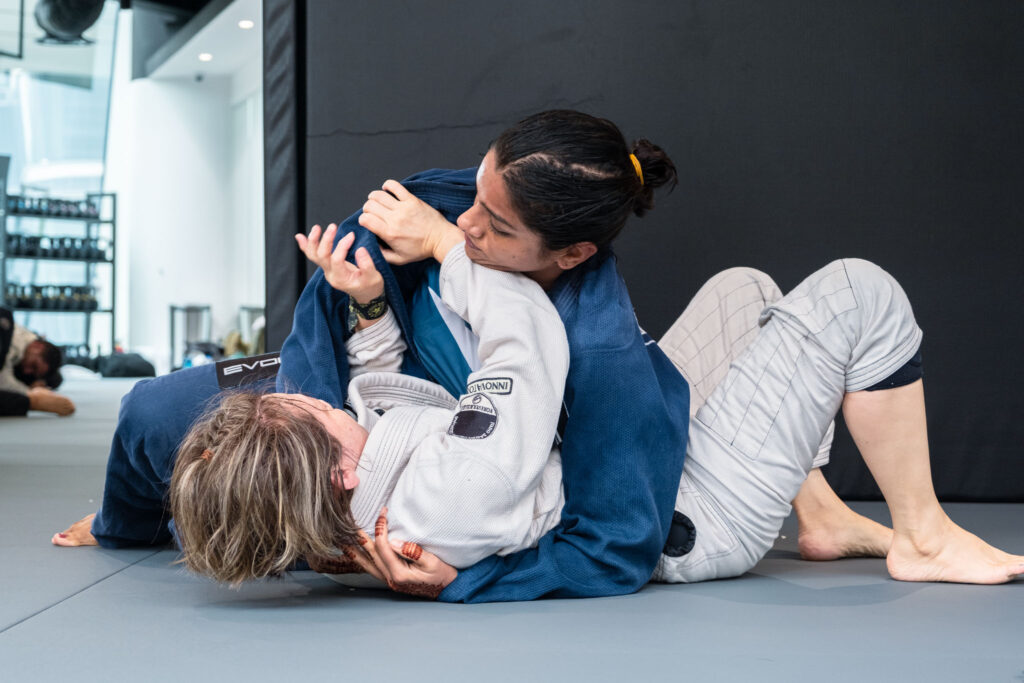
column 29, row 372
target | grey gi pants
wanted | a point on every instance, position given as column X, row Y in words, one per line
column 768, row 375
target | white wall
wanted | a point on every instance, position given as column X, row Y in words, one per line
column 245, row 233
column 185, row 158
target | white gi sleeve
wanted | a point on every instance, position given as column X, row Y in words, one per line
column 469, row 488
column 377, row 348
column 21, row 337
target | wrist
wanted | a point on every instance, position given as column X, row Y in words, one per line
column 363, row 315
column 450, row 237
column 364, row 298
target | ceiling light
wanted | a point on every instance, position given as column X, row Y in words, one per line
column 246, row 24
column 205, row 57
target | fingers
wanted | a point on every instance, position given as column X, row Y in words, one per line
column 366, row 561
column 367, row 557
column 412, row 551
column 310, row 243
column 394, row 565
column 387, row 200
column 323, row 250
column 341, row 251
column 363, row 260
column 307, row 242
column 396, row 188
column 393, row 257
column 372, row 222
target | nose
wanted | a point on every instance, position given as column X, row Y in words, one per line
column 469, row 223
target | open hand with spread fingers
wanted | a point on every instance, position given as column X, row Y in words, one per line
column 360, row 280
column 409, row 569
column 411, row 229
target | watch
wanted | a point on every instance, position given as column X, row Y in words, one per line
column 371, row 310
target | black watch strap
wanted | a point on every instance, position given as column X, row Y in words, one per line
column 372, row 309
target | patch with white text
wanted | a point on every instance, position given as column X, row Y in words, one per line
column 475, row 418
column 235, row 372
column 492, row 385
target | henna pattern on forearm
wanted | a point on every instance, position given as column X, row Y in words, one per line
column 419, row 590
column 336, row 564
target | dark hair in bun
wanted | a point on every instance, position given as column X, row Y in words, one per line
column 570, row 176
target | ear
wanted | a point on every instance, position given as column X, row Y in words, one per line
column 349, row 479
column 344, row 479
column 575, row 254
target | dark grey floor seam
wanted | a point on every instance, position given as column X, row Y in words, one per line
column 80, row 590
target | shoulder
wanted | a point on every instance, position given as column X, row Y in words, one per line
column 455, row 177
column 595, row 307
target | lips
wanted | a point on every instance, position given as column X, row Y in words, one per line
column 471, row 245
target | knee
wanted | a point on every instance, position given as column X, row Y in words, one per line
column 877, row 288
column 743, row 275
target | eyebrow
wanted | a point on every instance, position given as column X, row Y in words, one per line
column 496, row 216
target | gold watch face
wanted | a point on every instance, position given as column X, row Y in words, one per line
column 372, row 310
column 375, row 309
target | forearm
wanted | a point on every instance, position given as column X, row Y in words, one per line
column 447, row 239
column 377, row 347
column 515, row 322
column 13, row 403
column 492, row 451
column 523, row 353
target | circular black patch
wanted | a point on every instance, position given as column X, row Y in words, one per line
column 476, row 418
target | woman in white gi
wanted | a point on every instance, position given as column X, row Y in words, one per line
column 473, row 477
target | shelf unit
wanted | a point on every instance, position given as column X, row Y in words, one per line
column 45, row 230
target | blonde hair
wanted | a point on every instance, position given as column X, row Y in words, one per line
column 252, row 490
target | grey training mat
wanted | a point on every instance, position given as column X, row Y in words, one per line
column 97, row 615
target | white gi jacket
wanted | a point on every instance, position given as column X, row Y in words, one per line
column 20, row 339
column 469, row 478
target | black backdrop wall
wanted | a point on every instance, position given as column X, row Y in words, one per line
column 803, row 131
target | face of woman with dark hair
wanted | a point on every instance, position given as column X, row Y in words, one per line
column 497, row 238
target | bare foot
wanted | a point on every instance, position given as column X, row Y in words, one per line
column 949, row 553
column 830, row 530
column 50, row 402
column 79, row 533
column 844, row 534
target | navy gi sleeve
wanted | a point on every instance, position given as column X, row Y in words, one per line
column 622, row 456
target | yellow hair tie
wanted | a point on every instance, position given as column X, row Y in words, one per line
column 636, row 167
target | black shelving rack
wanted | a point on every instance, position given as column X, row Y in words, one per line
column 94, row 249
